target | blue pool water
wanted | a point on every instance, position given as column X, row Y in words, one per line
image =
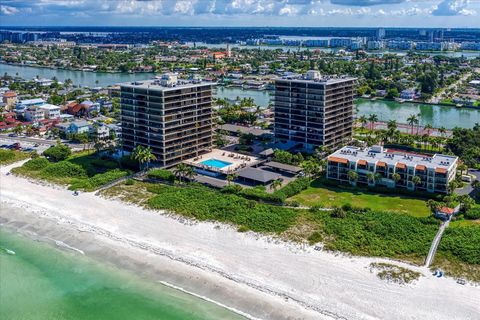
column 216, row 163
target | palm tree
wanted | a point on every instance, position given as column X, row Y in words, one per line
column 416, row 180
column 392, row 125
column 442, row 131
column 462, row 167
column 412, row 120
column 18, row 129
column 231, row 178
column 428, row 127
column 396, row 177
column 352, row 176
column 189, row 173
column 371, row 177
column 143, row 155
column 310, row 168
column 180, row 171
column 372, row 119
column 148, row 156
column 363, row 120
column 29, row 130
column 276, row 184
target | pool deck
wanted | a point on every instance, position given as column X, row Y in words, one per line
column 237, row 161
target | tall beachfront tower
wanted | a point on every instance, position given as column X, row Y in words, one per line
column 312, row 111
column 173, row 117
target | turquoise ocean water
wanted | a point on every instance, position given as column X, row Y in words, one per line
column 41, row 282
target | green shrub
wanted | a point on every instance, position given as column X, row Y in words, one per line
column 338, row 213
column 462, row 243
column 36, row 164
column 161, row 174
column 260, row 194
column 386, row 234
column 315, row 237
column 473, row 213
column 294, row 187
column 130, row 182
column 232, row 188
column 206, row 204
column 63, row 169
column 6, row 155
column 97, row 180
column 128, row 163
column 58, row 152
column 11, row 156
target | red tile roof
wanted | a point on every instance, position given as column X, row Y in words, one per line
column 339, row 160
column 446, row 210
column 440, row 170
column 401, row 165
column 10, row 94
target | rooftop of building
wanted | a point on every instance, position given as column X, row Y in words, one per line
column 313, row 76
column 393, row 157
column 32, row 101
column 156, row 84
column 49, row 106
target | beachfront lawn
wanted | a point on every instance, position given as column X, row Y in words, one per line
column 319, row 194
column 80, row 171
column 10, row 156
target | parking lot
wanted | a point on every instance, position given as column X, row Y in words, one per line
column 30, row 144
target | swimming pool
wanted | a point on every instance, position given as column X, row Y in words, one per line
column 219, row 164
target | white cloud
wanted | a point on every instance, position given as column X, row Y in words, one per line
column 7, row 10
column 453, row 8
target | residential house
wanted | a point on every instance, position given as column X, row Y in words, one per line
column 408, row 94
column 51, row 111
column 10, row 99
column 101, row 131
column 78, row 127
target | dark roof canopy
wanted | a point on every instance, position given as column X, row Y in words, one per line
column 267, row 152
column 284, row 167
column 245, row 130
column 258, row 175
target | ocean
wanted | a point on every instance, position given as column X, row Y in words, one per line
column 40, row 281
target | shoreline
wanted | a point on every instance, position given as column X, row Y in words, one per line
column 259, row 275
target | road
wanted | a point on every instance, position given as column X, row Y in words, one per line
column 30, row 142
column 441, row 95
column 468, row 189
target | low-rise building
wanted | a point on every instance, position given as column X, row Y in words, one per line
column 78, row 127
column 392, row 168
column 50, row 111
column 34, row 114
column 10, row 99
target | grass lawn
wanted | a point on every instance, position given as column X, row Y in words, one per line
column 11, row 156
column 464, row 223
column 329, row 196
column 80, row 171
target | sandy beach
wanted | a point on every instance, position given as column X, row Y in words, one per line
column 258, row 276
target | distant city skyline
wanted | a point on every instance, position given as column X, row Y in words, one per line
column 299, row 13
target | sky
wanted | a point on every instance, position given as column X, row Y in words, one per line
column 286, row 13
